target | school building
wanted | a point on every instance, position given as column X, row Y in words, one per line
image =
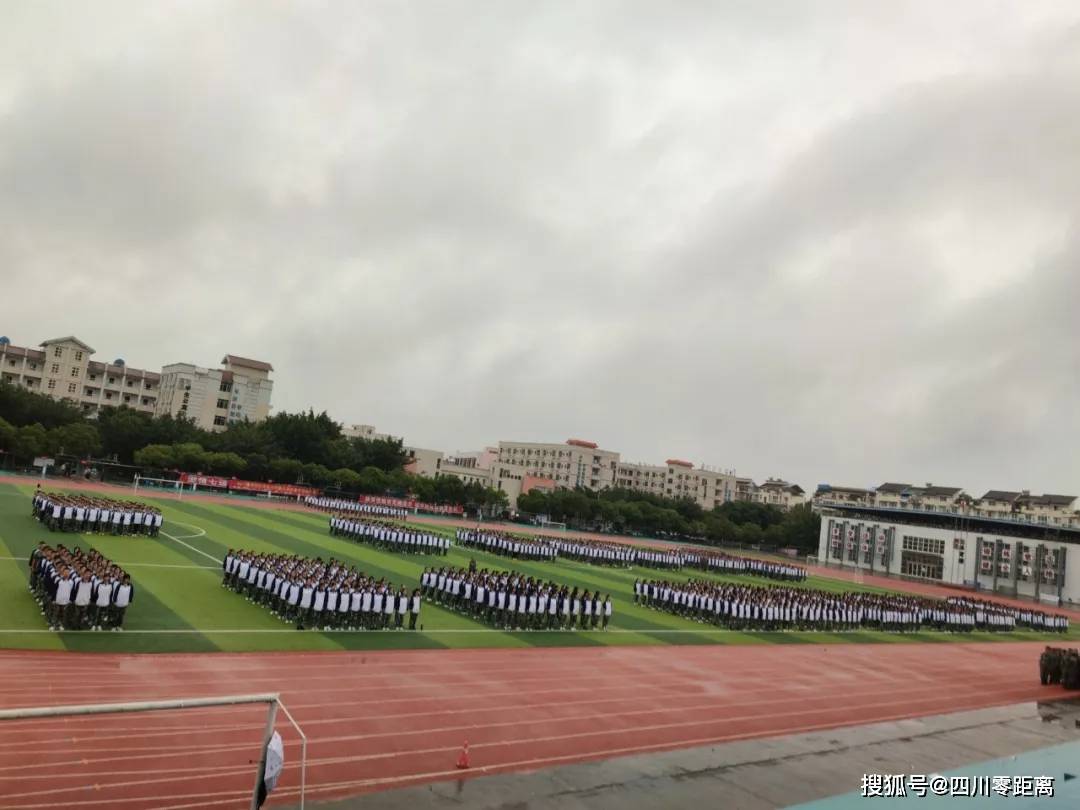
column 216, row 397
column 1012, row 543
column 62, row 368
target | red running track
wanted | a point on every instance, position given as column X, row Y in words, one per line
column 389, row 719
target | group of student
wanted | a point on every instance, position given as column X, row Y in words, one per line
column 326, row 504
column 505, row 544
column 79, row 590
column 65, row 512
column 395, row 537
column 756, row 607
column 512, row 601
column 719, row 562
column 991, row 613
column 319, row 595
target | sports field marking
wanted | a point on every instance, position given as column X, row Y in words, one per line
column 193, row 548
column 199, row 530
column 459, row 631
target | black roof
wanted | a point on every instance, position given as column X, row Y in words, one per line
column 1000, row 495
column 894, row 488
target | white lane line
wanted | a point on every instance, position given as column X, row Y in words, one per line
column 188, row 545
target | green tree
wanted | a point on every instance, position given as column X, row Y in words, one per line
column 30, row 442
column 225, row 464
column 77, row 438
column 155, row 457
column 190, row 457
column 285, row 470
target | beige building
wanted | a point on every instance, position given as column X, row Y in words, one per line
column 216, row 397
column 779, row 493
column 427, row 463
column 62, row 369
column 1061, row 511
column 679, row 479
column 575, row 463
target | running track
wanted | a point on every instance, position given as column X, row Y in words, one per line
column 388, row 719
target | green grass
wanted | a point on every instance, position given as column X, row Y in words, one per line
column 180, row 605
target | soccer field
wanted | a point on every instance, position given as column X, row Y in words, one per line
column 180, row 605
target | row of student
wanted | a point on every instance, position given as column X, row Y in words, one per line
column 79, row 590
column 316, row 594
column 512, row 601
column 752, row 607
column 389, row 536
column 719, row 562
column 509, row 545
column 326, row 504
column 1022, row 616
column 65, row 512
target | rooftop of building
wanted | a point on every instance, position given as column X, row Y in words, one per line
column 245, row 362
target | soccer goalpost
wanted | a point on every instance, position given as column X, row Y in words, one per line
column 169, row 485
column 272, row 699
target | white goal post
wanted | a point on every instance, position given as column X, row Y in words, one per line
column 169, row 485
column 272, row 699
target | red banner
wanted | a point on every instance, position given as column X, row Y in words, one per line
column 273, row 489
column 204, row 480
column 246, row 486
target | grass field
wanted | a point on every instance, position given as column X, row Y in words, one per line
column 180, row 605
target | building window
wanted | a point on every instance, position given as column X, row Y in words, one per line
column 130, row 383
column 58, row 352
column 55, row 368
column 52, row 384
column 78, row 356
column 71, row 388
column 93, row 377
column 219, row 420
column 75, row 372
column 112, row 380
column 108, row 395
column 11, row 363
column 223, row 403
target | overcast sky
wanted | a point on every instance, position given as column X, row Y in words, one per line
column 830, row 241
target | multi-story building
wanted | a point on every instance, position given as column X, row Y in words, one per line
column 427, row 463
column 576, row 463
column 365, row 432
column 779, row 493
column 679, row 479
column 62, row 369
column 216, row 397
column 1013, row 543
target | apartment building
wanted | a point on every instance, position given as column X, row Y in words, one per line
column 575, row 463
column 779, row 493
column 679, row 479
column 216, row 397
column 1018, row 507
column 62, row 369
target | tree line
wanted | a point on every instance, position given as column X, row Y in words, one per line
column 289, row 448
column 623, row 510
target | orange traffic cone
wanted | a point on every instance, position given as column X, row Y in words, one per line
column 463, row 757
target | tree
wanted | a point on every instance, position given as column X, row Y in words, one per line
column 155, row 457
column 8, row 434
column 226, row 464
column 20, row 407
column 189, row 457
column 78, row 439
column 285, row 470
column 30, row 442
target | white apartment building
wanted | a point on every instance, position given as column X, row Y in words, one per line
column 62, row 369
column 216, row 397
column 779, row 493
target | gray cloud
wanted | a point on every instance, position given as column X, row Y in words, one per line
column 829, row 242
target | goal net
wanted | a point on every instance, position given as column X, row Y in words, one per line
column 161, row 486
column 187, row 753
column 552, row 524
